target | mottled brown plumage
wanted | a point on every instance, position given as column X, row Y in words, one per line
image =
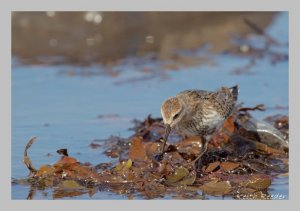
column 198, row 112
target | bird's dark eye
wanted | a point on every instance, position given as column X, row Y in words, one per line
column 175, row 116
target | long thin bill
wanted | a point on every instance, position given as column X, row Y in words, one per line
column 167, row 132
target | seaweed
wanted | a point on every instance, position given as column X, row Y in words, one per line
column 238, row 163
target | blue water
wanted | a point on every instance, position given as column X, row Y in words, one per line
column 61, row 111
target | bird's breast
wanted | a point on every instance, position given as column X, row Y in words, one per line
column 212, row 119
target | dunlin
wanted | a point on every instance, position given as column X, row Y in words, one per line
column 198, row 112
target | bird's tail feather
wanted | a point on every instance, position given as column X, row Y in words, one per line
column 234, row 90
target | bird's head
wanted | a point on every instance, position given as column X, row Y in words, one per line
column 172, row 111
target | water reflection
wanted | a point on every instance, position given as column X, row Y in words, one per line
column 95, row 17
column 50, row 13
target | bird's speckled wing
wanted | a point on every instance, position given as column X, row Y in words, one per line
column 207, row 110
column 222, row 100
column 196, row 94
column 198, row 104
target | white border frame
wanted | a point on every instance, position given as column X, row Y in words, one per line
column 145, row 5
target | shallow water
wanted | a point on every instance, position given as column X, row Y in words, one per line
column 62, row 110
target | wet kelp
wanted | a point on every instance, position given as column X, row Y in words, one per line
column 242, row 160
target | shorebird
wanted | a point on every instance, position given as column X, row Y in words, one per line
column 198, row 112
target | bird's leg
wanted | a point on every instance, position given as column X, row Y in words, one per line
column 203, row 150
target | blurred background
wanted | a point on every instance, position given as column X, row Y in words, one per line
column 104, row 37
column 78, row 77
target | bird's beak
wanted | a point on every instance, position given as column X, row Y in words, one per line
column 167, row 131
